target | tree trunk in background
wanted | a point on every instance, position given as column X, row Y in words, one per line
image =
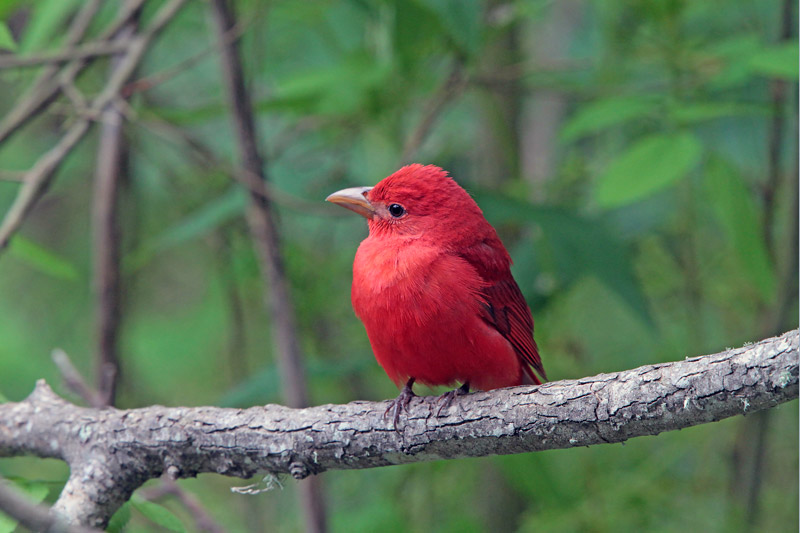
column 547, row 43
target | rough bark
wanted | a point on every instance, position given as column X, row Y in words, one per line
column 112, row 452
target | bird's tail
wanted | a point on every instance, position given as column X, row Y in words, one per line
column 529, row 377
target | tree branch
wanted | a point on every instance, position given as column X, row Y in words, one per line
column 112, row 156
column 38, row 178
column 46, row 87
column 112, row 452
column 88, row 50
column 263, row 228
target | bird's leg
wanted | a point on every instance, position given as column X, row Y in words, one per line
column 446, row 399
column 401, row 402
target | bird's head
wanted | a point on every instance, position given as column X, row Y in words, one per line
column 416, row 201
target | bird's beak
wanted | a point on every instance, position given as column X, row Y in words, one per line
column 354, row 199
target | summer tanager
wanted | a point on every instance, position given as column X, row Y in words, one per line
column 432, row 285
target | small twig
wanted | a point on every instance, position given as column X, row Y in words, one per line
column 62, row 56
column 107, row 282
column 47, row 87
column 38, row 178
column 44, row 90
column 31, row 516
column 12, row 175
column 157, row 78
column 206, row 157
column 778, row 90
column 73, row 379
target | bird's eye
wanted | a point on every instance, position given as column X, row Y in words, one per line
column 397, row 210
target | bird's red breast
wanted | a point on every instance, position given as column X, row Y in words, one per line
column 432, row 285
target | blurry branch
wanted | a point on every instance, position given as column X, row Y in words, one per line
column 47, row 86
column 206, row 157
column 38, row 178
column 62, row 56
column 157, row 78
column 452, row 87
column 43, row 90
column 74, row 381
column 106, row 277
column 776, row 137
column 31, row 516
column 262, row 223
column 260, row 216
column 750, row 448
column 112, row 452
column 11, row 175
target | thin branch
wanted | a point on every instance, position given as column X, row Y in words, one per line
column 38, row 179
column 50, row 82
column 12, row 175
column 112, row 452
column 157, row 78
column 74, row 380
column 31, row 516
column 62, row 56
column 111, row 163
column 44, row 90
column 775, row 143
column 261, row 220
column 206, row 157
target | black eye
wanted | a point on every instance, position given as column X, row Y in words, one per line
column 397, row 210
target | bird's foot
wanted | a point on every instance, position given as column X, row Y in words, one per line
column 400, row 403
column 446, row 399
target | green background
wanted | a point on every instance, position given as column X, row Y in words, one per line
column 620, row 147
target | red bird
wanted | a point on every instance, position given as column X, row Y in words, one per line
column 433, row 287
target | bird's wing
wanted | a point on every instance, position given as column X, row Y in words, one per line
column 504, row 305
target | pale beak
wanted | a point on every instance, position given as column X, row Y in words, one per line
column 354, row 199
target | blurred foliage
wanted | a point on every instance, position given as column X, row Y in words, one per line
column 649, row 238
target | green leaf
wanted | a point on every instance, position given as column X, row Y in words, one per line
column 578, row 247
column 648, row 166
column 158, row 514
column 7, row 7
column 734, row 207
column 690, row 113
column 6, row 39
column 120, row 519
column 197, row 224
column 460, row 19
column 598, row 116
column 42, row 259
column 338, row 89
column 779, row 61
column 46, row 21
column 416, row 33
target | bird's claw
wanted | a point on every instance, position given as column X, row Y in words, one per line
column 446, row 399
column 400, row 403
